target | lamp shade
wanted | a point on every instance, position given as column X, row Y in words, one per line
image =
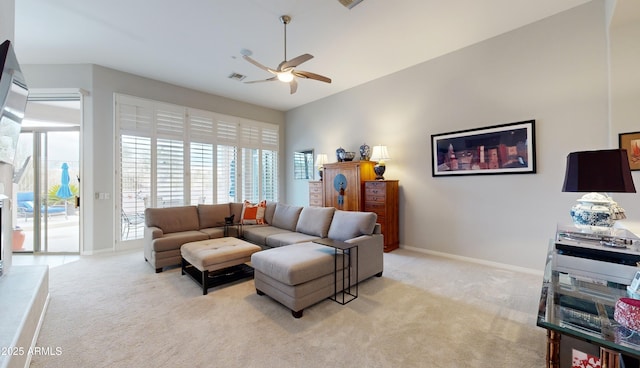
column 380, row 153
column 321, row 159
column 598, row 171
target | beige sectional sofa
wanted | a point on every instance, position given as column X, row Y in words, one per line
column 166, row 229
column 291, row 269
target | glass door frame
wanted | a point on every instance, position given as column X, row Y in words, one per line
column 40, row 219
column 57, row 94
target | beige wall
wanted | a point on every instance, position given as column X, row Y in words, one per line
column 554, row 71
column 625, row 95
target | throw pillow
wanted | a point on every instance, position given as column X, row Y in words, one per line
column 253, row 214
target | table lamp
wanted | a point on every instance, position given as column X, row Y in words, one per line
column 597, row 173
column 321, row 159
column 380, row 154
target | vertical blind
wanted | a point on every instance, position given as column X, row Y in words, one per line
column 172, row 155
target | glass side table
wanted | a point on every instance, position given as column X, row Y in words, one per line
column 578, row 311
column 348, row 265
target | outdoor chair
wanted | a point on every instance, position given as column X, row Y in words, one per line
column 25, row 206
column 129, row 221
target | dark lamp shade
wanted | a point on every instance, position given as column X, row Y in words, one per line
column 598, row 171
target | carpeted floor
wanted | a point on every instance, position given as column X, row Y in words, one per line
column 114, row 311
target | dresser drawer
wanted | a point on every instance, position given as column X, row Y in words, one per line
column 315, row 189
column 375, row 185
column 315, row 196
column 378, row 197
column 378, row 208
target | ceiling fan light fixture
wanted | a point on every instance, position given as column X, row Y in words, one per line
column 286, row 71
column 285, row 76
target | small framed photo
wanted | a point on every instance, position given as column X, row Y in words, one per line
column 498, row 149
column 631, row 142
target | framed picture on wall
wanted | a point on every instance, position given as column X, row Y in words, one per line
column 499, row 149
column 631, row 142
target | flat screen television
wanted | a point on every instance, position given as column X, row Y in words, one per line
column 13, row 100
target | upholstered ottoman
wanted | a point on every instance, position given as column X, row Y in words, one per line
column 201, row 259
column 297, row 275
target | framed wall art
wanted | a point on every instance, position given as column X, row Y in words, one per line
column 499, row 149
column 631, row 142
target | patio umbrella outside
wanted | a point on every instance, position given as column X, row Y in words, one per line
column 64, row 191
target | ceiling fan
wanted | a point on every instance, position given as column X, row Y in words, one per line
column 286, row 72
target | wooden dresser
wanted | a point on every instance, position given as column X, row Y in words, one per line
column 344, row 184
column 316, row 193
column 381, row 197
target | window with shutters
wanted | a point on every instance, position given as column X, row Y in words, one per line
column 202, row 184
column 171, row 155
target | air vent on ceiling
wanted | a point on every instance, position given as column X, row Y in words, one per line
column 350, row 3
column 237, row 76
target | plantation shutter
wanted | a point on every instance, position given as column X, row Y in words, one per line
column 202, row 136
column 226, row 161
column 270, row 163
column 170, row 157
column 135, row 124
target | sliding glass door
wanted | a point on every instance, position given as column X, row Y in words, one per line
column 46, row 178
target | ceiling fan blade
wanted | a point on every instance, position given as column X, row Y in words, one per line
column 295, row 61
column 258, row 64
column 263, row 80
column 309, row 75
column 294, row 86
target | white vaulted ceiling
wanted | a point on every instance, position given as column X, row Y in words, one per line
column 197, row 43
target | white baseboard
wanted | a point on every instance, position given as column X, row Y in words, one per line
column 504, row 266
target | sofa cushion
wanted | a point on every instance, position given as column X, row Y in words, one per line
column 236, row 209
column 173, row 241
column 315, row 221
column 297, row 263
column 350, row 224
column 253, row 214
column 268, row 213
column 286, row 216
column 258, row 233
column 281, row 239
column 212, row 215
column 172, row 219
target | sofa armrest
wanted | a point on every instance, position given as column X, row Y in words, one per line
column 152, row 232
column 370, row 255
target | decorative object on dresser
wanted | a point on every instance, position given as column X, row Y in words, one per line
column 321, row 159
column 381, row 155
column 349, row 193
column 598, row 171
column 316, row 194
column 340, row 154
column 349, row 156
column 381, row 197
column 365, row 152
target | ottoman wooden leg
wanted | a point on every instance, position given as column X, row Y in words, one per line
column 205, row 277
column 259, row 292
column 297, row 314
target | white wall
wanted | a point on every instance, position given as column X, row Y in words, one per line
column 554, row 71
column 625, row 98
column 98, row 132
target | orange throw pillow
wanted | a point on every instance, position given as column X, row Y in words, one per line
column 253, row 214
